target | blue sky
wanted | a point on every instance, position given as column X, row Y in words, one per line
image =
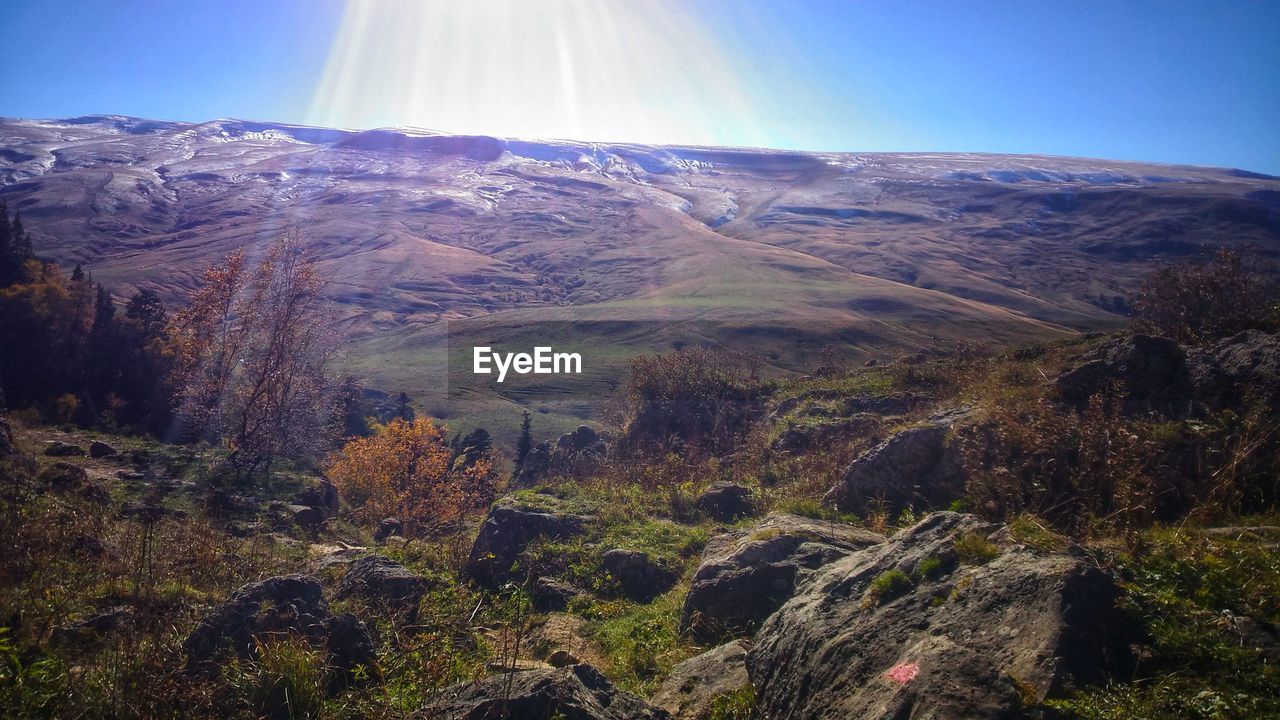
column 1172, row 81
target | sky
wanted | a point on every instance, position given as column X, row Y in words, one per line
column 1171, row 81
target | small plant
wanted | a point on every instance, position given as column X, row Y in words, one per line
column 889, row 585
column 287, row 680
column 931, row 568
column 974, row 549
column 737, row 704
column 1030, row 531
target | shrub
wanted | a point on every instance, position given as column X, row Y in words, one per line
column 1198, row 303
column 974, row 549
column 889, row 585
column 286, row 681
column 691, row 400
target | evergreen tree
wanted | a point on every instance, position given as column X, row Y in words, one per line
column 104, row 310
column 77, row 275
column 404, row 411
column 475, row 445
column 8, row 263
column 146, row 308
column 525, row 444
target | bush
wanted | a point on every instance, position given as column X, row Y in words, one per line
column 286, row 681
column 690, row 400
column 1196, row 303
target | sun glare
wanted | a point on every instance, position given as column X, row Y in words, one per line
column 642, row 71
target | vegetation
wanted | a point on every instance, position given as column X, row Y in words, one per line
column 1196, row 303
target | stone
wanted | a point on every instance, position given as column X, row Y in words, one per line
column 387, row 528
column 91, row 629
column 507, row 531
column 576, row 692
column 913, row 468
column 641, row 578
column 955, row 640
column 63, row 476
column 384, row 583
column 98, row 449
column 57, row 448
column 694, row 685
column 573, row 454
column 726, row 501
column 745, row 575
column 550, row 594
column 273, row 608
column 1151, row 374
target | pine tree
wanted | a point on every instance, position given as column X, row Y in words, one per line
column 404, row 412
column 7, row 261
column 77, row 275
column 145, row 307
column 525, row 444
column 104, row 310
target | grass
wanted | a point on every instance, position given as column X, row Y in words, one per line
column 889, row 585
column 974, row 549
column 642, row 642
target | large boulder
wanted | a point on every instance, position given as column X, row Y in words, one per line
column 915, row 468
column 388, row 527
column 323, row 497
column 549, row 594
column 1243, row 367
column 576, row 692
column 1150, row 372
column 640, row 577
column 90, row 630
column 289, row 605
column 745, row 575
column 508, row 530
column 384, row 583
column 694, row 685
column 727, row 501
column 917, row 628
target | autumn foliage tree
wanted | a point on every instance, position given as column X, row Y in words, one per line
column 407, row 470
column 252, row 357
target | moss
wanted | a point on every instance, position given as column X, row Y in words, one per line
column 1030, row 531
column 974, row 549
column 889, row 585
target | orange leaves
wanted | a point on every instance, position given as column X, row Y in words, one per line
column 405, row 471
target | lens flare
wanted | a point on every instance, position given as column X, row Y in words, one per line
column 644, row 71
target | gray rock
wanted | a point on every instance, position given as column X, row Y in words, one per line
column 64, row 476
column 306, row 517
column 577, row 692
column 57, row 448
column 384, row 583
column 387, row 528
column 91, row 629
column 745, row 575
column 965, row 641
column 507, row 530
column 1150, row 372
column 575, row 453
column 914, row 468
column 727, row 501
column 641, row 578
column 550, row 594
column 99, row 449
column 693, row 686
column 272, row 608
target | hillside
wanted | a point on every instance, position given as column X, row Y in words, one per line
column 774, row 253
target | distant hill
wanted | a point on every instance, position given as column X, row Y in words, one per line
column 775, row 253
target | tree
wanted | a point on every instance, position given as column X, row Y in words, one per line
column 404, row 470
column 525, row 443
column 476, row 445
column 404, row 410
column 253, row 355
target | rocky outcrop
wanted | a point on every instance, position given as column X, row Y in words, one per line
column 746, row 575
column 726, row 501
column 323, row 497
column 1156, row 375
column 694, row 685
column 57, row 448
column 550, row 594
column 275, row 608
column 384, row 583
column 98, row 450
column 63, row 475
column 575, row 453
column 576, row 692
column 915, row 468
column 508, row 530
column 92, row 629
column 640, row 577
column 909, row 629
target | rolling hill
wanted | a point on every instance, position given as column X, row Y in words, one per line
column 430, row 238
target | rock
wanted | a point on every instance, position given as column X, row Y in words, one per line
column 575, row 453
column 577, row 692
column 57, row 448
column 147, row 512
column 289, row 604
column 95, row 493
column 324, row 497
column 506, row 532
column 549, row 594
column 306, row 517
column 959, row 641
column 562, row 658
column 384, row 583
column 221, row 501
column 387, row 528
column 726, row 501
column 1151, row 374
column 6, row 437
column 565, row 640
column 91, row 629
column 98, row 449
column 1245, row 366
column 641, row 579
column 693, row 685
column 63, row 476
column 745, row 575
column 238, row 529
column 914, row 468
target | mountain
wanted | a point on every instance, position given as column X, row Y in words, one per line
column 624, row 248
